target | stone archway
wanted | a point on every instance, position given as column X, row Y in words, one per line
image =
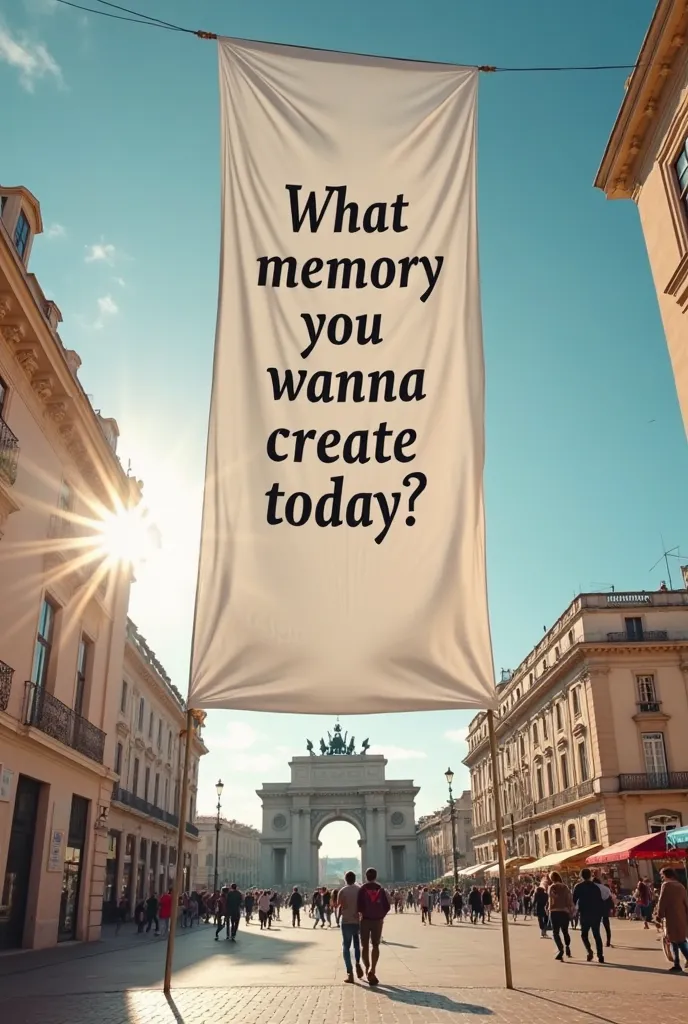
column 337, row 785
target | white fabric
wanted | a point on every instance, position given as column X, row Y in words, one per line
column 372, row 615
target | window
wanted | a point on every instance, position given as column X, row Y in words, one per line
column 550, row 778
column 544, row 664
column 557, row 654
column 209, row 860
column 151, row 722
column 538, row 780
column 135, row 777
column 146, row 783
column 165, row 805
column 583, row 761
column 682, row 173
column 573, row 836
column 522, row 745
column 83, row 663
column 169, row 745
column 65, row 499
column 647, row 693
column 21, row 234
column 44, row 640
column 564, row 766
column 558, row 842
column 592, row 831
column 141, row 711
column 546, row 838
column 634, row 629
column 655, row 755
column 572, row 638
column 160, row 734
column 575, row 697
column 118, row 759
column 537, row 845
column 3, row 395
column 530, row 680
column 559, row 717
column 508, row 757
column 536, row 739
column 123, row 698
column 544, row 728
column 663, row 822
column 156, row 789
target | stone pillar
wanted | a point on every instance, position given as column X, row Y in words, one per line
column 119, row 872
column 133, row 895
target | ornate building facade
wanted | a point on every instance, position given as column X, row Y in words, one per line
column 591, row 730
column 63, row 611
column 238, row 853
column 150, row 736
column 646, row 160
column 434, row 839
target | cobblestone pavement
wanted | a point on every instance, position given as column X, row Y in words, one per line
column 295, row 977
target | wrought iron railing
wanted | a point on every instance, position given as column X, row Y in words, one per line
column 191, row 829
column 123, row 796
column 649, row 705
column 9, row 453
column 653, row 780
column 647, row 636
column 55, row 719
column 6, row 674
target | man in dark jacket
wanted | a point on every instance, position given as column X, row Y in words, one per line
column 233, row 901
column 588, row 899
column 373, row 906
column 152, row 913
column 295, row 903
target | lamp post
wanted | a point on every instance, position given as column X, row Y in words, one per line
column 449, row 776
column 219, row 786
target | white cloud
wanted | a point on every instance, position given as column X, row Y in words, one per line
column 101, row 252
column 393, row 753
column 107, row 305
column 33, row 60
column 457, row 735
column 56, row 231
column 120, row 281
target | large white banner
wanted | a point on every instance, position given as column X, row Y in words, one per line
column 343, row 554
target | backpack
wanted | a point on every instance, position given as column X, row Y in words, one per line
column 373, row 903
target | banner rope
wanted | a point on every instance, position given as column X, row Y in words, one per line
column 138, row 18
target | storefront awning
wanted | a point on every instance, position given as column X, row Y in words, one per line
column 476, row 869
column 560, row 859
column 512, row 865
column 649, row 847
column 677, row 839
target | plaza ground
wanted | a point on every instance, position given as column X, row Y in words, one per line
column 289, row 976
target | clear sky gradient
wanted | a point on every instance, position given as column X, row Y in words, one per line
column 115, row 129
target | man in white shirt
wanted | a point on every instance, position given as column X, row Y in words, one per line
column 347, row 902
column 608, row 906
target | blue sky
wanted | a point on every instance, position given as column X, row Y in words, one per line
column 115, row 129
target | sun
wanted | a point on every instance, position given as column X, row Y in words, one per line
column 127, row 536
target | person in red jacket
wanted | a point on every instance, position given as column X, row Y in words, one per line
column 373, row 906
column 165, row 911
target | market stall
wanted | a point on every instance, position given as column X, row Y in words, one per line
column 512, row 865
column 567, row 862
column 650, row 847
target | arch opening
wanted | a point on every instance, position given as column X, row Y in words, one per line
column 340, row 844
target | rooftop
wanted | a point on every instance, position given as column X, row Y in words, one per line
column 148, row 655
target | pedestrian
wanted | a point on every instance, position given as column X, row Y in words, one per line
column 122, row 911
column 607, row 907
column 165, row 911
column 220, row 911
column 673, row 910
column 140, row 915
column 425, row 906
column 457, row 902
column 264, row 910
column 475, row 902
column 643, row 896
column 588, row 899
column 335, row 906
column 445, row 904
column 327, row 906
column 295, row 903
column 540, row 907
column 318, row 904
column 373, row 906
column 560, row 912
column 487, row 904
column 152, row 913
column 347, row 904
column 249, row 903
column 233, row 901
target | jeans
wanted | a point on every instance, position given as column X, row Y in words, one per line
column 607, row 929
column 560, row 926
column 234, row 924
column 296, row 917
column 679, row 947
column 153, row 918
column 164, row 925
column 594, row 927
column 543, row 919
column 351, row 933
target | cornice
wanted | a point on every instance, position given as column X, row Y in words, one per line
column 646, row 88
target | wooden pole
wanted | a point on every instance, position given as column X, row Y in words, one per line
column 179, row 866
column 503, row 897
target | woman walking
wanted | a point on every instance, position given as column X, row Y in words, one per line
column 560, row 913
column 445, row 904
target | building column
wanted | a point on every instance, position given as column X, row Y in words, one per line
column 119, row 872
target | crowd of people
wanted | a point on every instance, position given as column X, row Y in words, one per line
column 359, row 910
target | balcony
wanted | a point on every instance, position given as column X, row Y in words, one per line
column 137, row 803
column 487, row 826
column 649, row 707
column 9, row 454
column 567, row 796
column 191, row 830
column 55, row 719
column 6, row 674
column 648, row 636
column 658, row 780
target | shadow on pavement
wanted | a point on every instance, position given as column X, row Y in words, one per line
column 431, row 1000
column 569, row 1004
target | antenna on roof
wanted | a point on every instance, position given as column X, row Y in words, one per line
column 668, row 553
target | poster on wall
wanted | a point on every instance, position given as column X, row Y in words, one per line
column 6, row 780
column 56, row 849
column 342, row 559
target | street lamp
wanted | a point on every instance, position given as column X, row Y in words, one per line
column 219, row 786
column 449, row 776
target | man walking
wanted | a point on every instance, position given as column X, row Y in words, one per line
column 233, row 900
column 373, row 906
column 221, row 912
column 673, row 910
column 152, row 913
column 295, row 903
column 588, row 899
column 607, row 907
column 347, row 905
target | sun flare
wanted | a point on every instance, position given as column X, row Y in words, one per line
column 126, row 536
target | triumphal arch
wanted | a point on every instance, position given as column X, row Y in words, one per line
column 336, row 783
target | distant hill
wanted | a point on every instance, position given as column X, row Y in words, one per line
column 333, row 869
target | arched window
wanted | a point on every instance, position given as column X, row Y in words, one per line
column 592, row 830
column 573, row 838
column 557, row 839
